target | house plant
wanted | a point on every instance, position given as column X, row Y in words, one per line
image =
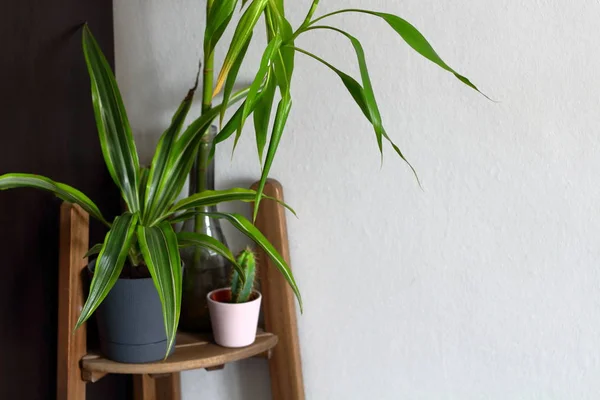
column 274, row 77
column 144, row 233
column 143, row 236
column 234, row 310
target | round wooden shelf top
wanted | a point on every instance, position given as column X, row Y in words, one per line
column 191, row 352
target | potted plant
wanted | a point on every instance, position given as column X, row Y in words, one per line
column 141, row 242
column 234, row 310
column 144, row 235
column 273, row 80
column 275, row 73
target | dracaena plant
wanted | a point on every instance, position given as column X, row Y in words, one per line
column 144, row 234
column 275, row 72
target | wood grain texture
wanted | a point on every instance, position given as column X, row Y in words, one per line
column 279, row 305
column 92, row 376
column 168, row 387
column 74, row 240
column 192, row 352
column 144, row 388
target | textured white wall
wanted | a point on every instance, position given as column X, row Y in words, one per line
column 483, row 286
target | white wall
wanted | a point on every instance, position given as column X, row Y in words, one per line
column 483, row 286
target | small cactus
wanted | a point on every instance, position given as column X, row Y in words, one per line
column 241, row 291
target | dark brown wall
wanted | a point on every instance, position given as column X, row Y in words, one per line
column 46, row 127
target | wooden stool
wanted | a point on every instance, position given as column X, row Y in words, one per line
column 77, row 365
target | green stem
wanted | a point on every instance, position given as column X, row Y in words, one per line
column 357, row 10
column 312, row 10
column 207, row 74
column 307, row 22
column 207, row 95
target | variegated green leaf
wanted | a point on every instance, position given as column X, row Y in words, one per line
column 358, row 94
column 247, row 228
column 109, row 263
column 158, row 196
column 262, row 115
column 62, row 191
column 161, row 253
column 214, row 197
column 192, row 239
column 240, row 38
column 412, row 37
column 369, row 95
column 219, row 15
column 284, row 60
column 231, row 79
column 94, row 250
column 144, row 174
column 283, row 111
column 179, row 164
column 116, row 139
column 268, row 55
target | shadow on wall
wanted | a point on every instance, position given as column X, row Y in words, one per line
column 244, row 380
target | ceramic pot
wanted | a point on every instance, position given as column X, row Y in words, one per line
column 131, row 327
column 233, row 324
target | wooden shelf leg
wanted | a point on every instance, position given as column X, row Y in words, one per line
column 74, row 240
column 279, row 304
column 144, row 387
column 167, row 387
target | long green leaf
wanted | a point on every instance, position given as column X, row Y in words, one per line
column 251, row 99
column 262, row 115
column 369, row 95
column 192, row 239
column 214, row 197
column 144, row 174
column 309, row 15
column 158, row 180
column 240, row 37
column 219, row 16
column 247, row 228
column 116, row 139
column 354, row 88
column 283, row 111
column 284, row 60
column 95, row 249
column 62, row 191
column 161, row 253
column 412, row 37
column 179, row 164
column 109, row 263
column 232, row 125
column 185, row 150
column 358, row 94
column 231, row 79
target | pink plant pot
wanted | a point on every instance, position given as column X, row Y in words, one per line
column 233, row 324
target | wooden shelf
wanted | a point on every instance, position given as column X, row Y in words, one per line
column 191, row 352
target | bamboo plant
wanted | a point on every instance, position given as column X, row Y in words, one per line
column 276, row 71
column 144, row 234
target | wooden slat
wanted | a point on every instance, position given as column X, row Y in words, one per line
column 144, row 387
column 279, row 304
column 74, row 241
column 192, row 352
column 92, row 376
column 169, row 387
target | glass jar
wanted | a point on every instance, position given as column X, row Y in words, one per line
column 204, row 270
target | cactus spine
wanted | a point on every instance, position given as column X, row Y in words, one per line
column 241, row 291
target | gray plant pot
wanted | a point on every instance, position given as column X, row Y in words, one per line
column 130, row 322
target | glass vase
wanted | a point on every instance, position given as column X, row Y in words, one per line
column 204, row 270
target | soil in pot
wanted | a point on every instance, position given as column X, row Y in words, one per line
column 130, row 321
